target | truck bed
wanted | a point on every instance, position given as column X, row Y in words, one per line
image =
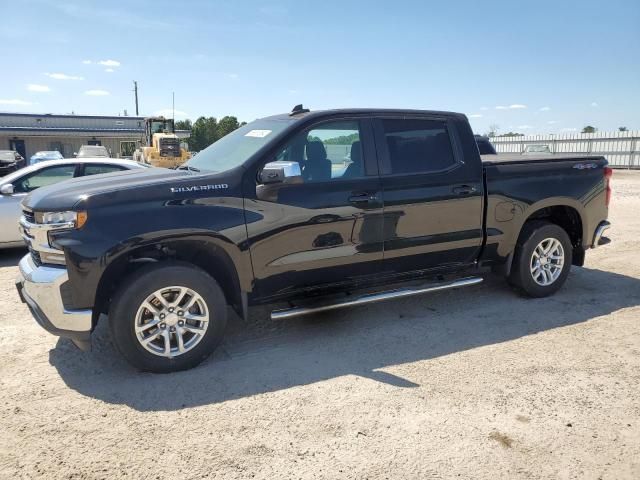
column 518, row 158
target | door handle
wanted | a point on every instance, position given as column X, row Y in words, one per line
column 463, row 190
column 360, row 198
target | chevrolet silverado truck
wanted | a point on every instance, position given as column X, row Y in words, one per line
column 306, row 212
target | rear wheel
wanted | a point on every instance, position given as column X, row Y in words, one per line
column 168, row 317
column 542, row 260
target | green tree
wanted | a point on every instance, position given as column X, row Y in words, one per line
column 206, row 130
column 623, row 129
column 589, row 129
column 226, row 125
column 203, row 133
column 493, row 130
column 512, row 134
column 184, row 124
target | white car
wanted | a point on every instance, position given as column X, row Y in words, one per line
column 16, row 186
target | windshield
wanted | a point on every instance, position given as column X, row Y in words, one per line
column 236, row 148
column 93, row 151
column 485, row 147
column 48, row 155
column 538, row 148
column 159, row 126
column 7, row 156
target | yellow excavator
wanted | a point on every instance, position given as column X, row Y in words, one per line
column 160, row 145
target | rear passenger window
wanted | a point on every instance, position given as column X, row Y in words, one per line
column 97, row 169
column 418, row 146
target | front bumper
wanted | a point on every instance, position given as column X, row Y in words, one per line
column 39, row 288
column 6, row 168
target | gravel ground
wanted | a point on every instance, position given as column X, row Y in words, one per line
column 475, row 383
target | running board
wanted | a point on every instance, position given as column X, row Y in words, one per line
column 374, row 297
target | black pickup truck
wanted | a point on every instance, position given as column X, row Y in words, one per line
column 306, row 211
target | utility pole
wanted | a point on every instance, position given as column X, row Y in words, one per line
column 135, row 90
column 173, row 106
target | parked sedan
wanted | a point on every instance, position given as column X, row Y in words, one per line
column 42, row 156
column 16, row 186
column 10, row 161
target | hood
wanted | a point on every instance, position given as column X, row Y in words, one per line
column 81, row 191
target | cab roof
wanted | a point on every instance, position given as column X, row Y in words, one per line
column 303, row 113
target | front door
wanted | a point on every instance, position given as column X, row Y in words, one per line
column 432, row 198
column 326, row 230
column 18, row 146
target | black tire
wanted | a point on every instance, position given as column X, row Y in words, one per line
column 532, row 234
column 143, row 283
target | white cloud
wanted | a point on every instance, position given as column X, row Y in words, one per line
column 63, row 76
column 33, row 87
column 545, row 109
column 109, row 70
column 87, row 62
column 484, row 108
column 514, row 106
column 233, row 75
column 569, row 129
column 594, row 104
column 552, row 122
column 475, row 115
column 14, row 101
column 96, row 93
column 525, row 127
column 168, row 113
column 109, row 63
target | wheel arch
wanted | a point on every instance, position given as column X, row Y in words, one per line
column 215, row 255
column 564, row 212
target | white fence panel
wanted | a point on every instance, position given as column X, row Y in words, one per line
column 622, row 149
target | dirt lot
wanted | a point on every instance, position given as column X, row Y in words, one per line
column 476, row 383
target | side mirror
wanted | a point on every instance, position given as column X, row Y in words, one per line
column 7, row 189
column 280, row 172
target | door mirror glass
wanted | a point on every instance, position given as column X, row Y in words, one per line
column 6, row 189
column 280, row 172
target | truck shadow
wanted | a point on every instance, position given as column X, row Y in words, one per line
column 364, row 341
column 10, row 257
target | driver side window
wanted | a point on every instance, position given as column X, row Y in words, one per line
column 326, row 152
column 44, row 177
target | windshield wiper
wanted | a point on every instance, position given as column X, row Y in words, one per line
column 188, row 167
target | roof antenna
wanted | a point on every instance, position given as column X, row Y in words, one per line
column 298, row 109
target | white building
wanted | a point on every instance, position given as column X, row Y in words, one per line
column 28, row 133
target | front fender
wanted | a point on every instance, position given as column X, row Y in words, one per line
column 112, row 235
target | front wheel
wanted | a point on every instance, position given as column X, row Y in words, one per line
column 168, row 317
column 542, row 260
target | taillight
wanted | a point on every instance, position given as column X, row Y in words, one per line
column 608, row 173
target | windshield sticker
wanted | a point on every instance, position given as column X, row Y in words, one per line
column 257, row 133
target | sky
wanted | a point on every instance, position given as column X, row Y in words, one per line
column 530, row 66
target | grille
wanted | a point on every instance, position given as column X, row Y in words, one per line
column 29, row 216
column 35, row 255
column 169, row 147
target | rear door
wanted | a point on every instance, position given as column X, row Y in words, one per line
column 325, row 230
column 432, row 198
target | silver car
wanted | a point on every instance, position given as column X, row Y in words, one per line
column 16, row 186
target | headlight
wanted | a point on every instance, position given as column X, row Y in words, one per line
column 78, row 219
